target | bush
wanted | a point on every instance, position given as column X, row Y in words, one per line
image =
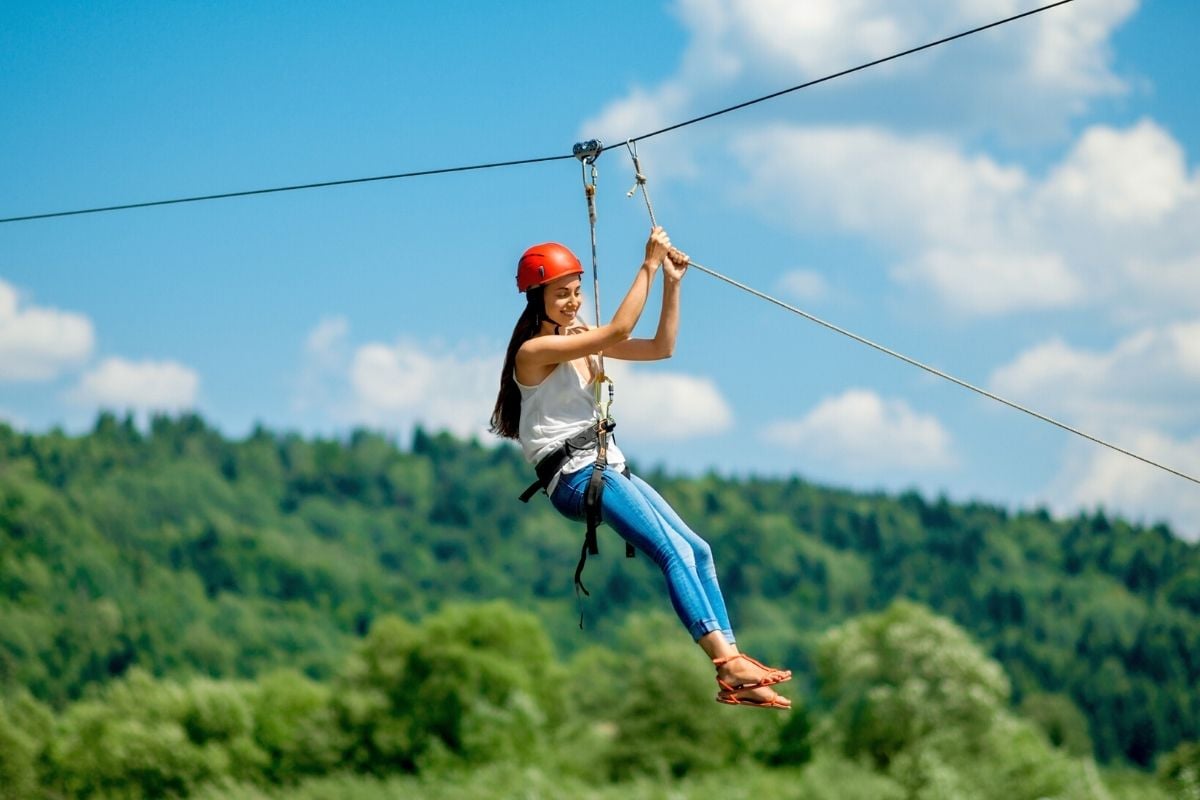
column 472, row 683
column 653, row 698
column 18, row 751
column 1061, row 720
column 295, row 726
column 1179, row 771
column 915, row 695
column 793, row 742
column 144, row 738
column 901, row 675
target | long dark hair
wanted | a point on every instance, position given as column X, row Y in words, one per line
column 506, row 416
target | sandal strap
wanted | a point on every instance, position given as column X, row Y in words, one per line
column 758, row 663
column 773, row 675
column 745, row 687
column 776, row 701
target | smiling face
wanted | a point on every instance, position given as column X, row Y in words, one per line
column 564, row 296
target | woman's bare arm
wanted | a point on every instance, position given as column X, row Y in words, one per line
column 663, row 344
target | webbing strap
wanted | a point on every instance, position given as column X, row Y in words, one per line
column 593, row 509
column 591, row 505
column 546, row 469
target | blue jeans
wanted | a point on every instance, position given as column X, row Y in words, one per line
column 645, row 520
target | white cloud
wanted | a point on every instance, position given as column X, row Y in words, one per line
column 1069, row 53
column 326, row 356
column 394, row 386
column 404, row 383
column 1169, row 284
column 1027, row 79
column 326, row 342
column 803, row 39
column 1140, row 395
column 1063, row 53
column 640, row 112
column 652, row 404
column 995, row 282
column 1117, row 222
column 37, row 343
column 859, row 430
column 1134, row 176
column 1185, row 341
column 989, row 238
column 803, row 284
column 119, row 384
column 398, row 385
column 1099, row 477
column 14, row 421
column 1149, row 378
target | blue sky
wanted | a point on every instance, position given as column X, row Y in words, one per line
column 1020, row 208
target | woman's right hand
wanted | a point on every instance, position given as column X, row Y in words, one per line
column 657, row 247
column 675, row 264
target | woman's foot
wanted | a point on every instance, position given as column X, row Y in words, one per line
column 743, row 680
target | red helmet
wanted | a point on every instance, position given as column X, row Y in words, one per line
column 543, row 263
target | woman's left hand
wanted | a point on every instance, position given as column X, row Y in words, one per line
column 675, row 264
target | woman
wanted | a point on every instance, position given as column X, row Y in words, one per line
column 547, row 402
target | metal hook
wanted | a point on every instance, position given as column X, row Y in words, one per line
column 631, row 146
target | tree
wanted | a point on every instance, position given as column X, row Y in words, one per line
column 1179, row 771
column 295, row 725
column 24, row 730
column 471, row 683
column 915, row 695
column 899, row 676
column 131, row 742
column 1061, row 720
column 663, row 719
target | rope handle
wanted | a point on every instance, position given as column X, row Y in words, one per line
column 631, row 145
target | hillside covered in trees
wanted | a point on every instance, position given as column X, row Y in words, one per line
column 144, row 567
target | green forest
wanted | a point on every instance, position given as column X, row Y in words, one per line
column 188, row 615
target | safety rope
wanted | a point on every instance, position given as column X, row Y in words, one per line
column 587, row 153
column 631, row 145
column 641, row 184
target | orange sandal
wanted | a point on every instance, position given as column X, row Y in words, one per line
column 772, row 677
column 776, row 701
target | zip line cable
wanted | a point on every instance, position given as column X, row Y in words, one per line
column 641, row 184
column 297, row 187
column 524, row 161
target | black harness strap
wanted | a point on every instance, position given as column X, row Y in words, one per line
column 549, row 466
column 546, row 469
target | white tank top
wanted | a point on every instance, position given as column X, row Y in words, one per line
column 556, row 409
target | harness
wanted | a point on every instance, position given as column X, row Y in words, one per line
column 596, row 437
